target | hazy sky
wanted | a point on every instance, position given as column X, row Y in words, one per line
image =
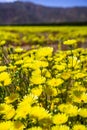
column 55, row 2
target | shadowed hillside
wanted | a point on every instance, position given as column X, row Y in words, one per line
column 29, row 13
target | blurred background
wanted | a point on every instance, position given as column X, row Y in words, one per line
column 25, row 12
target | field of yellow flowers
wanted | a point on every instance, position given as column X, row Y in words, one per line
column 41, row 89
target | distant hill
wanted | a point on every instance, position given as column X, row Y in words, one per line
column 30, row 13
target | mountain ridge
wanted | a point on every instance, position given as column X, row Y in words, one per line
column 31, row 13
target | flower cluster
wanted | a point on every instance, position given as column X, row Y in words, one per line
column 42, row 90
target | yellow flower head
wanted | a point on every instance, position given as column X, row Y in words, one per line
column 69, row 109
column 37, row 80
column 60, row 127
column 42, row 52
column 6, row 125
column 65, row 75
column 3, row 68
column 79, row 127
column 5, row 78
column 18, row 49
column 40, row 113
column 84, row 97
column 55, row 82
column 17, row 125
column 7, row 110
column 10, row 99
column 2, row 43
column 60, row 118
column 37, row 91
column 24, row 107
column 70, row 42
column 35, row 128
column 83, row 112
column 11, row 125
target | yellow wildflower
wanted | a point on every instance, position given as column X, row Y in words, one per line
column 69, row 109
column 10, row 99
column 6, row 125
column 36, row 72
column 24, row 107
column 2, row 68
column 39, row 112
column 5, row 78
column 70, row 42
column 81, row 97
column 37, row 80
column 17, row 125
column 7, row 110
column 84, row 97
column 22, row 111
column 2, row 43
column 80, row 75
column 37, row 91
column 79, row 127
column 65, row 75
column 60, row 118
column 59, row 67
column 18, row 49
column 55, row 82
column 35, row 128
column 60, row 127
column 45, row 51
column 19, row 62
column 51, row 91
column 83, row 112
